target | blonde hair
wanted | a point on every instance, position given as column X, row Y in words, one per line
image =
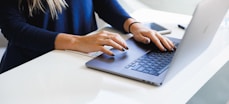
column 55, row 6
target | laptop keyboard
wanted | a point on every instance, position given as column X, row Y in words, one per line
column 153, row 62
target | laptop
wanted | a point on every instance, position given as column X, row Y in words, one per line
column 205, row 22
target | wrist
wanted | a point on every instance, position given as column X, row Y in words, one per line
column 131, row 25
column 65, row 41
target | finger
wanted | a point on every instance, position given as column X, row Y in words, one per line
column 165, row 42
column 107, row 38
column 110, row 42
column 106, row 51
column 170, row 43
column 142, row 39
column 157, row 41
column 118, row 39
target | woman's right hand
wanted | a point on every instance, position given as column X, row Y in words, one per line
column 91, row 43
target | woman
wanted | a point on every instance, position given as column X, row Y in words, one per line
column 35, row 27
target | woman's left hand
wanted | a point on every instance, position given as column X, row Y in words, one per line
column 146, row 35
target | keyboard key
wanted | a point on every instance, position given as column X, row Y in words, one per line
column 153, row 63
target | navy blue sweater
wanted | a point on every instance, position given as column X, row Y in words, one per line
column 30, row 37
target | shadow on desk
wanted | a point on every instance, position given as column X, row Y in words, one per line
column 216, row 90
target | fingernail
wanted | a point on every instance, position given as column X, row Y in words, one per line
column 175, row 48
column 123, row 49
column 127, row 48
column 112, row 54
column 147, row 41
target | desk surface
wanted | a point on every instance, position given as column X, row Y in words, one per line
column 217, row 88
column 61, row 77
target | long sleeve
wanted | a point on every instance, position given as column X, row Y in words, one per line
column 111, row 12
column 16, row 29
column 26, row 41
column 30, row 37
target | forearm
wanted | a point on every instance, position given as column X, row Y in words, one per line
column 19, row 32
column 65, row 41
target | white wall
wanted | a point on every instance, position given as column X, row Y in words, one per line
column 177, row 6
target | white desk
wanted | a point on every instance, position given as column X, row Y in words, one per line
column 60, row 77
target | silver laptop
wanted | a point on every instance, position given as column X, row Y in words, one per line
column 146, row 63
